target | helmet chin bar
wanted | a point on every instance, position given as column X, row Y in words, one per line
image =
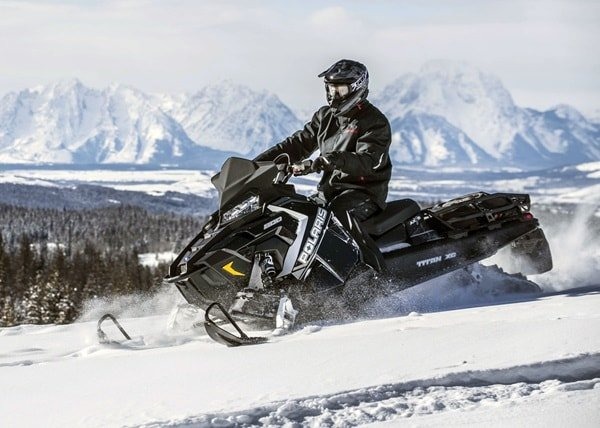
column 341, row 106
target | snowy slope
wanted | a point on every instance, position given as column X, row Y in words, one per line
column 66, row 122
column 571, row 185
column 429, row 140
column 232, row 117
column 442, row 354
column 477, row 108
column 150, row 181
column 449, row 352
column 448, row 113
column 470, row 100
column 465, row 365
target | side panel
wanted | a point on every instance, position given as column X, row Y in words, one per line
column 419, row 263
column 337, row 256
column 325, row 254
column 223, row 266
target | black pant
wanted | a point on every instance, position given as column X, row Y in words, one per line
column 357, row 204
column 351, row 208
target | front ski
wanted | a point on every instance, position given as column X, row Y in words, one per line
column 102, row 337
column 223, row 336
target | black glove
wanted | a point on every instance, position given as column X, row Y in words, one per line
column 302, row 168
column 323, row 163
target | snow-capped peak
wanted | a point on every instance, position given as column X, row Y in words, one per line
column 67, row 122
column 65, row 85
column 448, row 114
column 229, row 116
column 470, row 100
column 567, row 112
column 462, row 97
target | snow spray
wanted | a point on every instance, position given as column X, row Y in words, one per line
column 575, row 246
column 134, row 305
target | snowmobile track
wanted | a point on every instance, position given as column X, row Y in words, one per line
column 460, row 390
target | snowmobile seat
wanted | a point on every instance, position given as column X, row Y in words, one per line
column 395, row 212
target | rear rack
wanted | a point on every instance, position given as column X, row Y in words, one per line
column 477, row 210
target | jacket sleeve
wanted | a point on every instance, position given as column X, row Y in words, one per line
column 299, row 145
column 372, row 152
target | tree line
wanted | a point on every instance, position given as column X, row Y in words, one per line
column 53, row 261
column 111, row 228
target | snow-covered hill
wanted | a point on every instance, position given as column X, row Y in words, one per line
column 579, row 184
column 447, row 114
column 67, row 122
column 531, row 360
column 452, row 113
column 232, row 117
column 430, row 140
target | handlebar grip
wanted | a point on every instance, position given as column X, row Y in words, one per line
column 302, row 168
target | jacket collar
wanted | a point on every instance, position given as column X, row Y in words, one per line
column 352, row 114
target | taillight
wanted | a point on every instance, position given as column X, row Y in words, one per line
column 527, row 216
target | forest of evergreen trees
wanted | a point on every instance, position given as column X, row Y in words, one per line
column 53, row 261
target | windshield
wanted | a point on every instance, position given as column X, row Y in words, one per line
column 240, row 176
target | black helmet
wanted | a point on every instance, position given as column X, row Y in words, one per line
column 346, row 85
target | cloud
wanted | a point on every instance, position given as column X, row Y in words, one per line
column 535, row 48
column 334, row 18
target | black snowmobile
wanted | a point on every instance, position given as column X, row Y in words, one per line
column 270, row 253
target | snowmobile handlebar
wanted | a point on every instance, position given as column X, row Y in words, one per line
column 301, row 168
column 288, row 169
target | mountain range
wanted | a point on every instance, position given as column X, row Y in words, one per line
column 447, row 114
column 452, row 113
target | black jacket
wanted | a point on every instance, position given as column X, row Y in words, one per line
column 357, row 143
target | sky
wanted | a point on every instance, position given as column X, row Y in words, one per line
column 544, row 51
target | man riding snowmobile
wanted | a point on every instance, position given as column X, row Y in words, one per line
column 267, row 246
column 353, row 138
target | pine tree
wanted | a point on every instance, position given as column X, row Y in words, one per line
column 4, row 272
column 9, row 315
column 79, row 267
column 32, row 304
column 50, row 297
column 25, row 265
column 66, row 310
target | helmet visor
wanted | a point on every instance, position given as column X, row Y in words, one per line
column 337, row 91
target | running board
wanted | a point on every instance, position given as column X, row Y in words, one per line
column 223, row 336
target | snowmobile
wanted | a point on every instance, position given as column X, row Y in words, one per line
column 272, row 254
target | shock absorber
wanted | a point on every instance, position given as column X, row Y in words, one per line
column 267, row 266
